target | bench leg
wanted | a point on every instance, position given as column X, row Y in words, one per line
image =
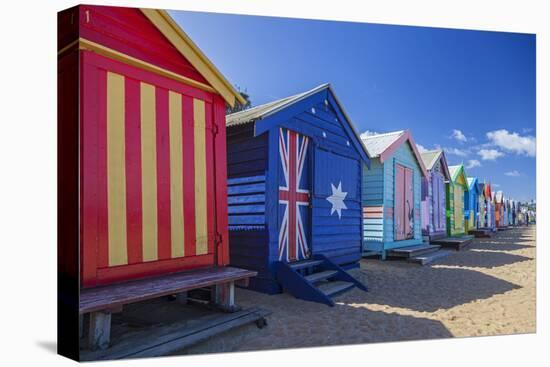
column 224, row 297
column 99, row 332
column 80, row 326
column 182, row 298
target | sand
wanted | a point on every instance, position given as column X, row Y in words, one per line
column 487, row 289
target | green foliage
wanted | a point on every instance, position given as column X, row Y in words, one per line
column 238, row 106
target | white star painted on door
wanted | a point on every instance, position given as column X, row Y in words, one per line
column 337, row 199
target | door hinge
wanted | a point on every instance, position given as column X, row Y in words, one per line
column 215, row 129
column 218, row 239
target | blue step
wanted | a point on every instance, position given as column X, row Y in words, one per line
column 305, row 264
column 322, row 275
column 429, row 258
column 333, row 288
column 412, row 251
column 316, row 279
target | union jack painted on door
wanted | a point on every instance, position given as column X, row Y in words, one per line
column 294, row 196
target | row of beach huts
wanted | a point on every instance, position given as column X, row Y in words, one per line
column 170, row 195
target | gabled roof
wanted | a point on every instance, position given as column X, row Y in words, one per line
column 384, row 145
column 377, row 144
column 488, row 193
column 262, row 112
column 181, row 41
column 499, row 196
column 431, row 157
column 267, row 109
column 472, row 182
column 456, row 171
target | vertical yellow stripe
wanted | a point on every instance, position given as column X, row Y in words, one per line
column 176, row 174
column 116, row 175
column 200, row 177
column 149, row 172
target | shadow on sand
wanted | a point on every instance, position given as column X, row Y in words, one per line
column 300, row 324
column 444, row 288
column 498, row 246
column 483, row 259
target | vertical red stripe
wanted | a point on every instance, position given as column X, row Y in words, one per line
column 221, row 180
column 90, row 99
column 163, row 175
column 188, row 176
column 102, row 205
column 210, row 176
column 292, row 143
column 133, row 170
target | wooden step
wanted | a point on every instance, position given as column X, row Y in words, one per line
column 322, row 275
column 370, row 253
column 411, row 251
column 332, row 288
column 305, row 264
column 481, row 233
column 428, row 258
column 456, row 243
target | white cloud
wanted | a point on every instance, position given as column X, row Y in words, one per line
column 421, row 148
column 456, row 151
column 489, row 154
column 367, row 133
column 513, row 173
column 473, row 163
column 513, row 142
column 495, row 185
column 459, row 136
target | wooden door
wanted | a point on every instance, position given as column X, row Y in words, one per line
column 459, row 207
column 294, row 196
column 442, row 205
column 409, row 204
column 399, row 203
column 404, row 203
column 435, row 201
column 438, row 198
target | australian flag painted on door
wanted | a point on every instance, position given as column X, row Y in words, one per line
column 294, row 196
column 294, row 168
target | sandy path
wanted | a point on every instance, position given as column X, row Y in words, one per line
column 488, row 290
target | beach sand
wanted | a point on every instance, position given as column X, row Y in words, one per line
column 487, row 289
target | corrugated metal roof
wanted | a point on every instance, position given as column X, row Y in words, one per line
column 377, row 144
column 264, row 110
column 430, row 158
column 453, row 170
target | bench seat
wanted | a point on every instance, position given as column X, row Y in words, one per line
column 116, row 295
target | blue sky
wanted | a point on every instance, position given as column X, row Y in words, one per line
column 470, row 92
